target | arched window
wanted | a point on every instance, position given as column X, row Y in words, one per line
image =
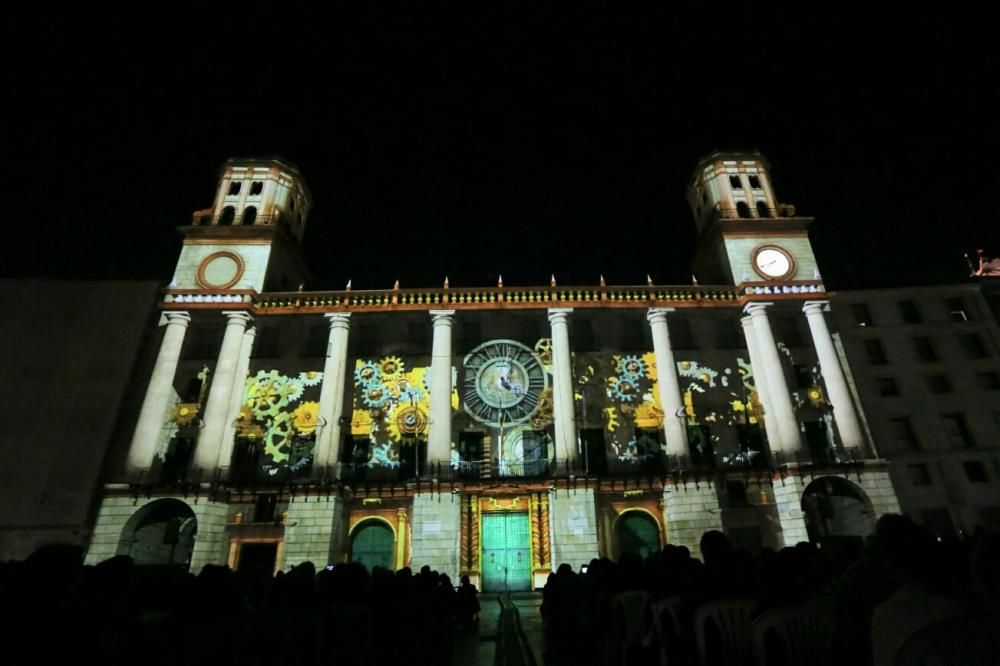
column 228, row 215
column 162, row 532
column 372, row 545
column 837, row 510
column 762, row 210
column 742, row 209
column 234, row 188
column 636, row 532
column 250, row 215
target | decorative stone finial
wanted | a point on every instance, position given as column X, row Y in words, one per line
column 552, row 281
column 603, row 284
column 445, row 281
column 500, row 281
column 395, row 287
column 348, row 288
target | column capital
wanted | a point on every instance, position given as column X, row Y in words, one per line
column 747, row 321
column 560, row 315
column 235, row 316
column 178, row 318
column 816, row 307
column 757, row 308
column 339, row 319
column 658, row 314
column 251, row 331
column 442, row 317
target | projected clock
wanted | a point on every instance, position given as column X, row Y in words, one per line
column 503, row 382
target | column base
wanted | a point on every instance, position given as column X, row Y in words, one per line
column 689, row 512
column 435, row 528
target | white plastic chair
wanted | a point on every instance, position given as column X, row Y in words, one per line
column 632, row 623
column 732, row 619
column 667, row 626
column 804, row 632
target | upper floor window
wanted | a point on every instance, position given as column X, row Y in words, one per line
column 228, row 215
column 735, row 182
column 957, row 431
column 925, row 350
column 975, row 470
column 754, row 182
column 988, row 381
column 256, row 188
column 234, row 188
column 742, row 209
column 762, row 210
column 875, row 352
column 956, row 309
column 862, row 317
column 973, row 346
column 909, row 312
column 919, row 475
column 887, row 386
column 939, row 384
column 250, row 215
column 902, row 433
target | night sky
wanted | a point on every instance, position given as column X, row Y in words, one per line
column 522, row 143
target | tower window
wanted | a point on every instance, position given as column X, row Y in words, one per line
column 919, row 475
column 956, row 309
column 975, row 471
column 988, row 381
column 862, row 317
column 250, row 215
column 939, row 383
column 973, row 346
column 903, row 434
column 762, row 210
column 742, row 209
column 887, row 387
column 754, row 182
column 234, row 188
column 735, row 182
column 256, row 188
column 228, row 215
column 925, row 350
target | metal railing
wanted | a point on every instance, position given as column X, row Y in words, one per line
column 238, row 220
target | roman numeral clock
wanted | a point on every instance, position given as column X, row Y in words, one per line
column 503, row 383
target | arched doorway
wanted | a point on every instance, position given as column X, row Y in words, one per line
column 372, row 544
column 838, row 513
column 250, row 215
column 162, row 532
column 637, row 532
column 228, row 215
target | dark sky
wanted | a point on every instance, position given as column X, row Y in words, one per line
column 521, row 142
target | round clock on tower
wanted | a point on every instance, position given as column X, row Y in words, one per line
column 503, row 383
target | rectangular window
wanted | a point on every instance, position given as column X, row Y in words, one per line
column 875, row 352
column 887, row 387
column 862, row 317
column 681, row 336
column 736, row 491
column 583, row 336
column 956, row 309
column 267, row 343
column 803, row 376
column 316, row 340
column 973, row 346
column 728, row 334
column 975, row 470
column 988, row 381
column 786, row 329
column 919, row 475
column 938, row 384
column 957, row 431
column 925, row 349
column 903, row 435
column 908, row 310
column 264, row 508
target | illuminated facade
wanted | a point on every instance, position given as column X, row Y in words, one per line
column 495, row 431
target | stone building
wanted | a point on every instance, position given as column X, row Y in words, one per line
column 495, row 432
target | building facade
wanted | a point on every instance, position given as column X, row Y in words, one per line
column 495, row 432
column 926, row 363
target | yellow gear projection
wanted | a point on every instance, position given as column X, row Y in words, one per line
column 407, row 421
column 279, row 437
column 390, row 367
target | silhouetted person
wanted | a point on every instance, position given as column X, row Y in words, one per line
column 467, row 603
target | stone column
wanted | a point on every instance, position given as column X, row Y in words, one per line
column 787, row 426
column 206, row 454
column 331, row 395
column 439, row 437
column 760, row 381
column 236, row 398
column 674, row 425
column 158, row 394
column 562, row 386
column 844, row 414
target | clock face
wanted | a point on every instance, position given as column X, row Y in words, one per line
column 220, row 270
column 503, row 383
column 773, row 262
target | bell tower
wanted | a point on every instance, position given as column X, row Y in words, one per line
column 744, row 234
column 251, row 236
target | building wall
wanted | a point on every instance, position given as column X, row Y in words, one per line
column 929, row 466
column 67, row 352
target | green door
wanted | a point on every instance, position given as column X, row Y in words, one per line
column 371, row 545
column 506, row 552
column 637, row 533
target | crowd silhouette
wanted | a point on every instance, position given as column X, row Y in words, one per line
column 876, row 600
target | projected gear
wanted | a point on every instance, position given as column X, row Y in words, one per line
column 366, row 373
column 544, row 350
column 390, row 367
column 310, row 378
column 612, row 415
column 292, row 390
column 543, row 415
column 278, row 438
column 266, row 394
column 632, row 368
column 375, row 395
column 623, row 389
column 407, row 422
